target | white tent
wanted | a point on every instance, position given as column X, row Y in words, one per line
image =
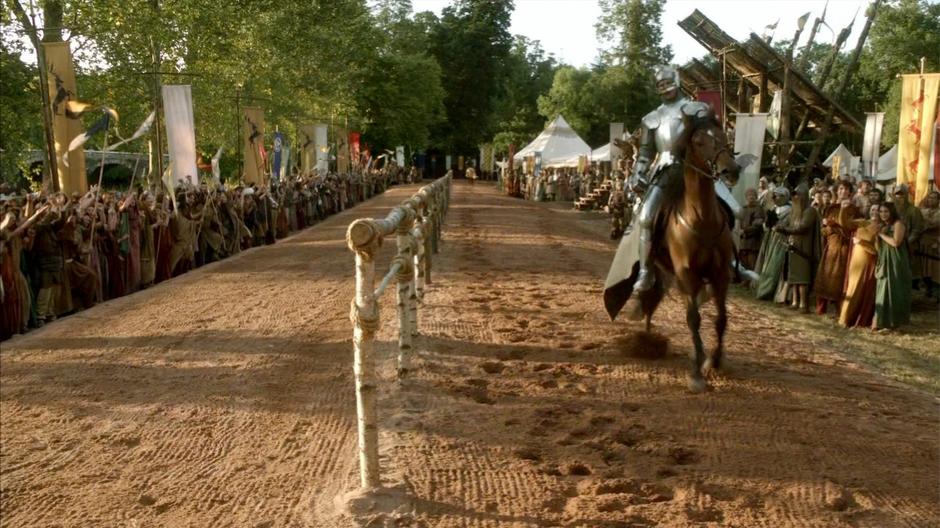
column 888, row 165
column 601, row 153
column 558, row 145
column 849, row 165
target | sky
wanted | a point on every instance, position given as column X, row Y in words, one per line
column 566, row 27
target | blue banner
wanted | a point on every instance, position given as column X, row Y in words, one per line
column 276, row 163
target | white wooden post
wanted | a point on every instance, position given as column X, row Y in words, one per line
column 363, row 238
column 405, row 278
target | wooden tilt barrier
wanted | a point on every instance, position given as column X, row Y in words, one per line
column 417, row 224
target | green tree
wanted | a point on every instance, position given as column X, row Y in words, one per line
column 20, row 125
column 472, row 43
column 401, row 92
column 529, row 73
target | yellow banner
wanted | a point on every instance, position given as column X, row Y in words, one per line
column 61, row 78
column 918, row 114
column 308, row 148
column 253, row 134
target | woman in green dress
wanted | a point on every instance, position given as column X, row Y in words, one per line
column 892, row 273
column 773, row 251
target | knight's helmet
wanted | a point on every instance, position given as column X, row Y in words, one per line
column 667, row 73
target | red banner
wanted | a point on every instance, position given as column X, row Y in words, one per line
column 354, row 148
column 713, row 98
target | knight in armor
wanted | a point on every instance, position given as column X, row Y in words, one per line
column 657, row 172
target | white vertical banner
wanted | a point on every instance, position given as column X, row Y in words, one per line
column 749, row 130
column 180, row 132
column 773, row 120
column 616, row 132
column 322, row 147
column 870, row 148
column 400, row 155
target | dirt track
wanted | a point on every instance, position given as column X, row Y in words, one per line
column 224, row 398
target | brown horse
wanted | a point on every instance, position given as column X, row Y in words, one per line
column 696, row 247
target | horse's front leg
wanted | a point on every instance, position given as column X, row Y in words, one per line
column 713, row 362
column 694, row 320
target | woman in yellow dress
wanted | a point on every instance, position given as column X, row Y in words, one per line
column 858, row 304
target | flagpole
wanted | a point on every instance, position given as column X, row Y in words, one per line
column 94, row 219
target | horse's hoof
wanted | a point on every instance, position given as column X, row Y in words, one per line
column 711, row 366
column 697, row 385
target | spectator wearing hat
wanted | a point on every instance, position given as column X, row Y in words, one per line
column 913, row 226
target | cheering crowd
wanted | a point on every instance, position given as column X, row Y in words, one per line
column 60, row 254
column 858, row 253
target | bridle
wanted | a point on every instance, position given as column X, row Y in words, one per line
column 712, row 164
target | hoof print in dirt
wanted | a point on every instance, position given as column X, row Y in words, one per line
column 477, row 394
column 577, row 469
column 492, row 367
column 681, row 455
column 643, row 345
column 528, row 453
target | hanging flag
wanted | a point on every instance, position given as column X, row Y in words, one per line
column 216, row 169
column 354, row 149
column 180, row 132
column 870, row 148
column 253, row 137
column 916, row 135
column 285, row 165
column 306, row 136
column 400, row 155
column 342, row 150
column 322, row 148
column 61, row 85
column 749, row 131
column 100, row 125
column 141, row 130
column 276, row 163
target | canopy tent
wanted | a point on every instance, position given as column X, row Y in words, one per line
column 849, row 164
column 888, row 165
column 601, row 153
column 558, row 144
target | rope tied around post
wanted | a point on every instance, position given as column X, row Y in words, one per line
column 367, row 322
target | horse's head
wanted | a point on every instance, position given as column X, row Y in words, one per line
column 707, row 148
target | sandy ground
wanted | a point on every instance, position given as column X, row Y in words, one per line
column 225, row 398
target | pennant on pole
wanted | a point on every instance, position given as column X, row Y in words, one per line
column 801, row 22
column 141, row 130
column 100, row 125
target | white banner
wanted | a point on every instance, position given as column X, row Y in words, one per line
column 616, row 132
column 870, row 148
column 400, row 155
column 773, row 119
column 180, row 132
column 323, row 148
column 749, row 130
